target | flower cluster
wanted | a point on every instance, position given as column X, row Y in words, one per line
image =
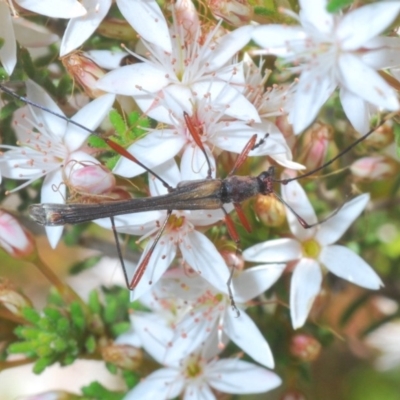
column 189, row 92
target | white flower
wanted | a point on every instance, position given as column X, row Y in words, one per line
column 334, row 50
column 180, row 233
column 210, row 316
column 216, row 133
column 197, row 373
column 48, row 144
column 314, row 248
column 183, row 62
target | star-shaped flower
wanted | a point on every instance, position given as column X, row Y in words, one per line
column 314, row 251
column 336, row 50
column 48, row 145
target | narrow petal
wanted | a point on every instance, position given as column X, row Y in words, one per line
column 240, row 377
column 53, row 123
column 228, row 46
column 54, row 9
column 90, row 116
column 153, row 150
column 147, row 19
column 384, row 53
column 348, row 265
column 332, row 230
column 198, row 391
column 295, row 196
column 362, row 24
column 354, row 74
column 314, row 88
column 356, row 110
column 245, row 333
column 201, row 254
column 253, row 281
column 8, row 50
column 79, row 29
column 316, row 19
column 274, row 251
column 153, row 332
column 131, row 79
column 276, row 39
column 304, row 287
column 161, row 258
column 164, row 383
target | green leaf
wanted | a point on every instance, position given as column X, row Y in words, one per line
column 31, row 315
column 397, row 139
column 98, row 392
column 88, row 263
column 117, row 122
column 94, row 302
column 97, row 142
column 335, row 6
column 42, row 364
column 77, row 316
column 90, row 344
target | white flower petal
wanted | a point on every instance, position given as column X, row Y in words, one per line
column 131, row 79
column 154, row 149
column 356, row 110
column 161, row 258
column 148, row 21
column 169, row 171
column 55, row 125
column 354, row 74
column 107, row 59
column 314, row 88
column 253, row 281
column 29, row 34
column 90, row 116
column 194, row 165
column 240, row 377
column 8, row 51
column 228, row 46
column 153, row 332
column 362, row 24
column 274, row 251
column 198, row 391
column 304, row 287
column 332, row 230
column 348, row 265
column 296, row 197
column 164, row 383
column 79, row 29
column 384, row 53
column 54, row 9
column 201, row 254
column 316, row 19
column 222, row 95
column 275, row 39
column 245, row 333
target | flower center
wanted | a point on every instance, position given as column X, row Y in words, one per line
column 311, row 248
column 175, row 222
column 193, row 366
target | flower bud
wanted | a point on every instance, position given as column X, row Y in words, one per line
column 234, row 12
column 292, row 394
column 315, row 145
column 11, row 299
column 14, row 239
column 270, row 210
column 305, row 347
column 84, row 71
column 91, row 179
column 123, row 356
column 233, row 259
column 380, row 138
column 375, row 167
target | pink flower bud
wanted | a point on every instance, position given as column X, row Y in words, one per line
column 91, row 179
column 305, row 347
column 11, row 299
column 84, row 71
column 14, row 239
column 376, row 167
column 234, row 12
column 315, row 146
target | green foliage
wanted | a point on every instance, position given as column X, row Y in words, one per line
column 335, row 6
column 96, row 391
